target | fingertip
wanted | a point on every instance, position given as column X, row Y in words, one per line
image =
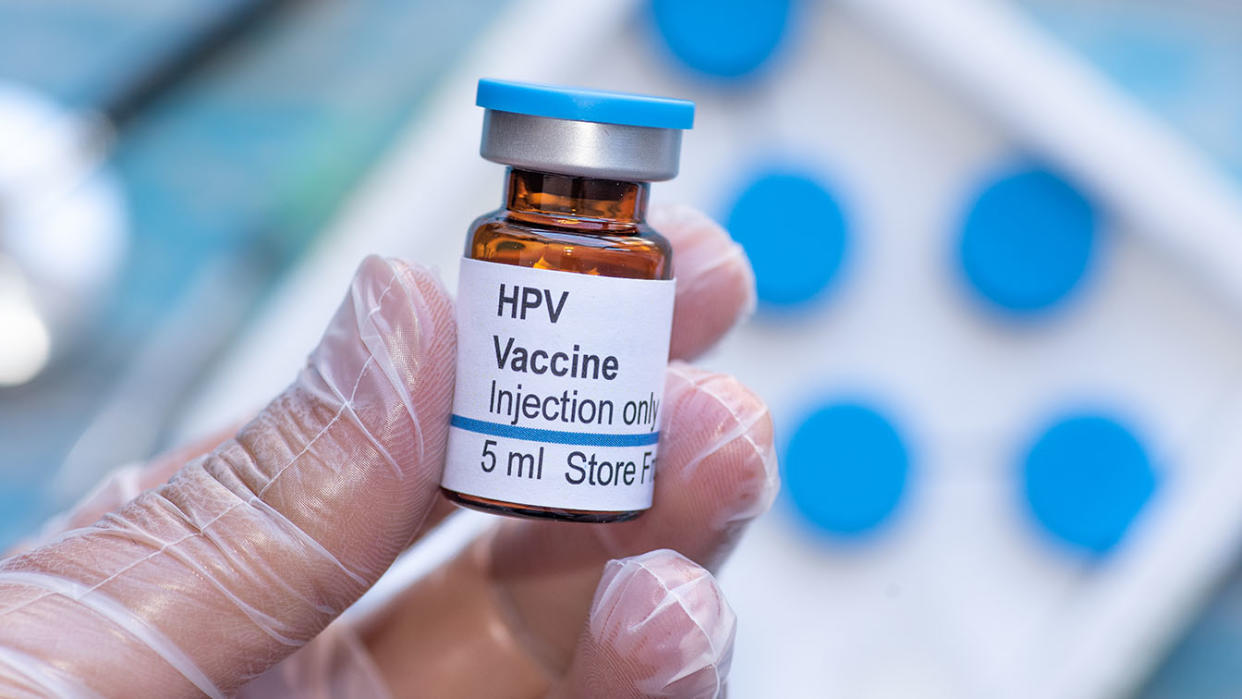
column 424, row 295
column 721, row 433
column 661, row 626
column 715, row 282
column 428, row 279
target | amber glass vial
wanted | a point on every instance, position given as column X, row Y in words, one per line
column 575, row 200
column 568, row 224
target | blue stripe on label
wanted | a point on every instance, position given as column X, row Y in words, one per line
column 589, row 439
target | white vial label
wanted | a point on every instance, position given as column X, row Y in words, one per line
column 560, row 387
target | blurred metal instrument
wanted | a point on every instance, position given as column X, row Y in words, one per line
column 62, row 216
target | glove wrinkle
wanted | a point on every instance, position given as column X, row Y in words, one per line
column 43, row 677
column 118, row 614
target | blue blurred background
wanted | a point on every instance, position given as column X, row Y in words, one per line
column 996, row 246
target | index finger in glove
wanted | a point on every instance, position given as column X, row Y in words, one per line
column 266, row 539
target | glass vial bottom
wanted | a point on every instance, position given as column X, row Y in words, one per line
column 514, row 509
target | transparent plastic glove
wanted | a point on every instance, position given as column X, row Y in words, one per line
column 659, row 627
column 224, row 578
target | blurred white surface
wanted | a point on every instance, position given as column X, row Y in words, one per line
column 961, row 596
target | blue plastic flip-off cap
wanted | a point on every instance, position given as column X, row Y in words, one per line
column 582, row 104
column 724, row 39
column 1085, row 479
column 769, row 219
column 846, row 469
column 1028, row 241
column 583, row 133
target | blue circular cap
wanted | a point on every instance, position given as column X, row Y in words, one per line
column 581, row 104
column 727, row 39
column 1085, row 479
column 1027, row 241
column 845, row 469
column 794, row 233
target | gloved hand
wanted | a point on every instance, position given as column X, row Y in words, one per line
column 220, row 570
